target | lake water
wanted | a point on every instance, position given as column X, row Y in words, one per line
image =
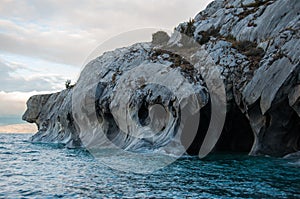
column 50, row 171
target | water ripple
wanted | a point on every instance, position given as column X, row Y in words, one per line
column 50, row 171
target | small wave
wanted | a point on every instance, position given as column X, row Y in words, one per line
column 295, row 155
column 30, row 152
column 75, row 173
column 296, row 164
column 51, row 145
column 293, row 158
column 29, row 192
column 7, row 153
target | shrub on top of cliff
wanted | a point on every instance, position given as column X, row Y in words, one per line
column 188, row 28
column 68, row 84
column 160, row 38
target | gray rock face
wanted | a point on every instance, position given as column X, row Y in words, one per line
column 52, row 114
column 266, row 88
column 117, row 89
column 255, row 45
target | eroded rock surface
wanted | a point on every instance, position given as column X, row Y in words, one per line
column 259, row 55
column 52, row 113
column 255, row 45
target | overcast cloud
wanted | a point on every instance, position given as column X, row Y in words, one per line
column 66, row 31
column 9, row 81
column 63, row 33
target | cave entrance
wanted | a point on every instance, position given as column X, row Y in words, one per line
column 236, row 137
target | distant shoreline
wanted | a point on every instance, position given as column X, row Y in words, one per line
column 18, row 128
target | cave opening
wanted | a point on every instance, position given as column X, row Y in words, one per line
column 236, row 137
column 143, row 114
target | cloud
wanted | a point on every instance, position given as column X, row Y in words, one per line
column 66, row 31
column 14, row 103
column 10, row 106
column 42, row 43
column 10, row 82
column 69, row 47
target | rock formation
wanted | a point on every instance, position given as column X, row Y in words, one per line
column 254, row 43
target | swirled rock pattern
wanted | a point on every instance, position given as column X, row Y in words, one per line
column 254, row 43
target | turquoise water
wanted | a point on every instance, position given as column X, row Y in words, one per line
column 50, row 171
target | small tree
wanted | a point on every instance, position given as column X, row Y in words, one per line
column 190, row 28
column 68, row 84
column 160, row 38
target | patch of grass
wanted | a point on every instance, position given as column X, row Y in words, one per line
column 255, row 4
column 252, row 8
column 246, row 13
column 255, row 52
column 205, row 35
column 249, row 49
column 255, row 55
column 243, row 46
column 230, row 38
column 185, row 66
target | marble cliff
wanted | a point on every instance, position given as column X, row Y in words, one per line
column 255, row 46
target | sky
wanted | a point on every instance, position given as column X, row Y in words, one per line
column 44, row 43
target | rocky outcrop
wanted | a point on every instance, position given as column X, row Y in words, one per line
column 52, row 113
column 263, row 73
column 255, row 45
